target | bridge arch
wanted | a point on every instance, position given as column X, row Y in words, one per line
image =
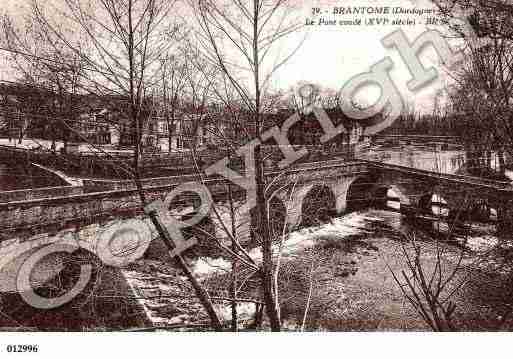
column 318, row 203
column 425, row 202
column 396, row 190
column 314, row 199
column 114, row 243
column 367, row 191
column 277, row 211
column 360, row 193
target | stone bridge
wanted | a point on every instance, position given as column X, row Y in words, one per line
column 415, row 189
column 44, row 214
column 83, row 218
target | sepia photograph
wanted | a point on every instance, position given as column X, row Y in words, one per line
column 170, row 167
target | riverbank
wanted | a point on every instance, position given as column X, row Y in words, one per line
column 341, row 273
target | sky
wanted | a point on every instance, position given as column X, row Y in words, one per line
column 331, row 55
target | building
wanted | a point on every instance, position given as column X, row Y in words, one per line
column 93, row 127
column 175, row 135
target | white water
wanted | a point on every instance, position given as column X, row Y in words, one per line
column 351, row 224
column 357, row 223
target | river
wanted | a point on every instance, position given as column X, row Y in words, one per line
column 420, row 157
column 345, row 268
column 336, row 276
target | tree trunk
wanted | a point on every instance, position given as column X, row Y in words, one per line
column 169, row 139
column 233, row 284
column 502, row 162
column 262, row 233
column 262, row 223
column 135, row 106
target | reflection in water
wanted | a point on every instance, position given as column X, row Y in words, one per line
column 456, row 161
column 449, row 162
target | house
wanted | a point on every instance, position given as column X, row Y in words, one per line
column 237, row 127
column 308, row 130
column 158, row 133
column 93, row 127
column 178, row 134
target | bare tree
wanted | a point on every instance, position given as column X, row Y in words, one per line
column 120, row 44
column 239, row 38
column 58, row 75
column 487, row 18
column 425, row 288
column 481, row 88
column 218, row 124
column 174, row 71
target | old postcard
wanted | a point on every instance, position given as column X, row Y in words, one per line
column 254, row 166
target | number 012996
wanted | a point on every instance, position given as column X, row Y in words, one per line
column 22, row 348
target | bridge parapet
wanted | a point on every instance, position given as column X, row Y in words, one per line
column 61, row 209
column 38, row 210
column 39, row 193
column 20, row 208
column 111, row 185
column 454, row 179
